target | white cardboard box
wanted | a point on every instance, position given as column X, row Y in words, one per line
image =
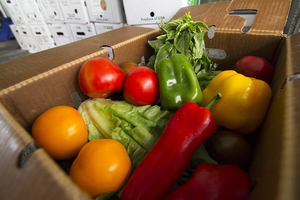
column 15, row 12
column 19, row 37
column 109, row 11
column 150, row 12
column 3, row 9
column 61, row 33
column 32, row 11
column 51, row 11
column 74, row 11
column 104, row 27
column 43, row 36
column 82, row 31
column 29, row 38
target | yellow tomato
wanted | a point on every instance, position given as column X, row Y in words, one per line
column 61, row 131
column 102, row 166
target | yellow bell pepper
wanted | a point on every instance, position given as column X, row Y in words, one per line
column 244, row 103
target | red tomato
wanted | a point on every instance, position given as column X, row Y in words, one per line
column 256, row 67
column 100, row 77
column 141, row 86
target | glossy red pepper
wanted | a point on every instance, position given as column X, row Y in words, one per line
column 213, row 182
column 187, row 129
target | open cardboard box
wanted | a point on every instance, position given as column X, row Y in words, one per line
column 34, row 83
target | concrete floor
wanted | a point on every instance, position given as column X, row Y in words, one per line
column 10, row 50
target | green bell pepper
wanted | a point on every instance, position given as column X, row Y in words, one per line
column 178, row 82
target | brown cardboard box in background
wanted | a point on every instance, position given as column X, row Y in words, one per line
column 32, row 84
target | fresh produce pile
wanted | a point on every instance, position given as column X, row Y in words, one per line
column 178, row 131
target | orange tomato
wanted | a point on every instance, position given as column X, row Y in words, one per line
column 128, row 66
column 61, row 131
column 102, row 166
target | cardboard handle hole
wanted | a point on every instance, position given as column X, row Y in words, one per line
column 80, row 33
column 211, row 32
column 60, row 33
column 77, row 100
column 216, row 53
column 26, row 153
column 293, row 77
column 248, row 15
column 110, row 51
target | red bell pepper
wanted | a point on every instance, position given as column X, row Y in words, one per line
column 213, row 182
column 187, row 129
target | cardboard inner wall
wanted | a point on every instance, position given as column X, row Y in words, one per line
column 274, row 169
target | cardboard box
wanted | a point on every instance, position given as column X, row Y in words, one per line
column 15, row 12
column 74, row 11
column 82, row 31
column 104, row 27
column 32, row 84
column 29, row 38
column 19, row 37
column 106, row 11
column 32, row 12
column 61, row 33
column 150, row 12
column 51, row 11
column 43, row 36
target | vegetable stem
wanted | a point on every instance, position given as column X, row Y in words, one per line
column 213, row 101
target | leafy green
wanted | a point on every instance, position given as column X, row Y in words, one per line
column 136, row 127
column 184, row 36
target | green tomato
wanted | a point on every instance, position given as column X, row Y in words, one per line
column 227, row 147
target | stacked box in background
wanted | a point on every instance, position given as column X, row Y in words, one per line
column 29, row 26
column 43, row 24
column 52, row 12
column 106, row 15
column 147, row 13
column 76, row 17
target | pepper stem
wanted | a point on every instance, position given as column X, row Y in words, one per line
column 213, row 101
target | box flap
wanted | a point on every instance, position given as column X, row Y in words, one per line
column 270, row 18
column 21, row 69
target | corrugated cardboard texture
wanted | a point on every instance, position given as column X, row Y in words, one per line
column 270, row 18
column 275, row 168
column 265, row 33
